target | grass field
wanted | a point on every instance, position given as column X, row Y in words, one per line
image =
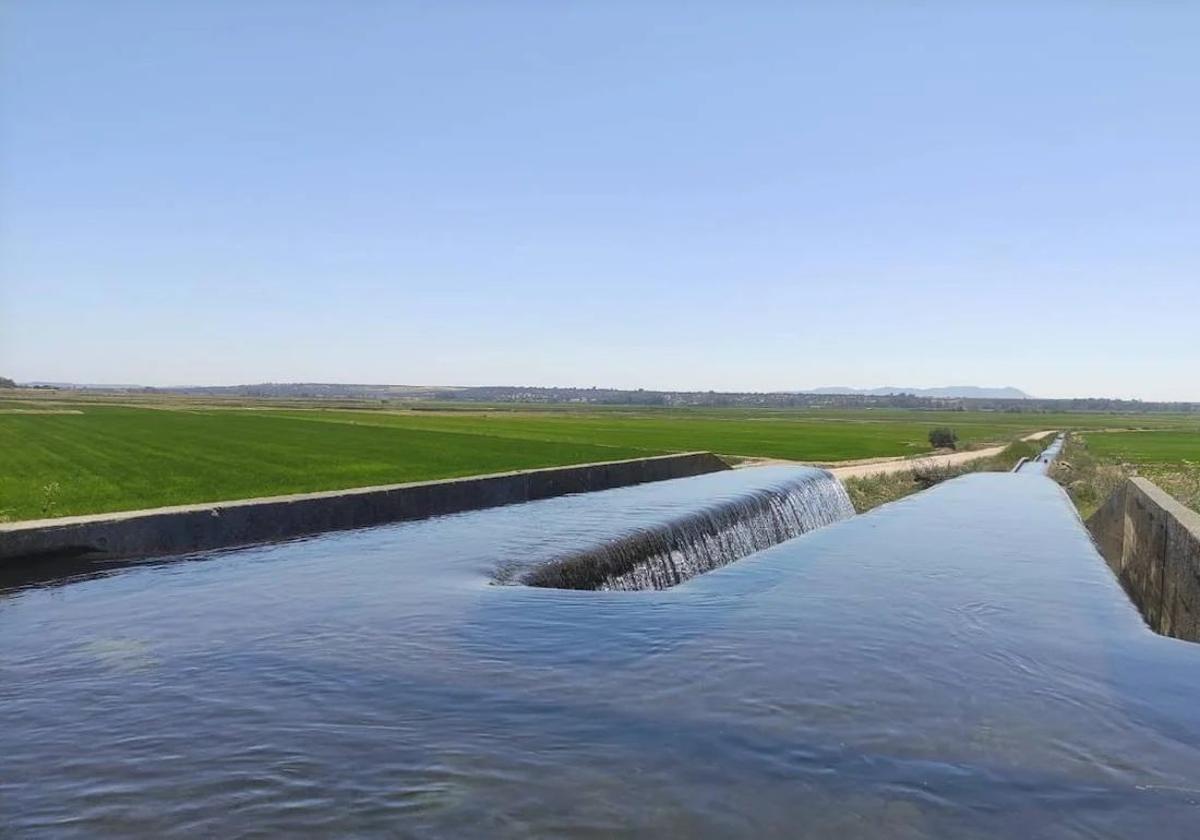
column 794, row 437
column 109, row 458
column 1094, row 464
column 89, row 456
column 1147, row 447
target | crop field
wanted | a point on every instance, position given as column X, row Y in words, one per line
column 796, row 437
column 1093, row 465
column 109, row 458
column 1171, row 459
column 60, row 457
column 1156, row 447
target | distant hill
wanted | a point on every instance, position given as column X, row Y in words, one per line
column 417, row 397
column 974, row 392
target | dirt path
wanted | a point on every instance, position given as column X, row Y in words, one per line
column 885, row 466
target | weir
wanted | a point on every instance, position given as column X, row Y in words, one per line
column 667, row 554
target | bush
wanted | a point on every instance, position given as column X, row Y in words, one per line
column 943, row 438
column 926, row 474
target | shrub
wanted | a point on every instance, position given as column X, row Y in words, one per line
column 943, row 438
column 928, row 473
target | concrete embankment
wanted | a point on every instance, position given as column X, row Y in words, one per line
column 1152, row 544
column 188, row 528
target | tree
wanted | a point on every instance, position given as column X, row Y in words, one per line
column 943, row 438
column 5, row 382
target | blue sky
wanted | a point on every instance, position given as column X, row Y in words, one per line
column 646, row 194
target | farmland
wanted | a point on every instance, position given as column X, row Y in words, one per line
column 112, row 458
column 1157, row 447
column 69, row 456
column 1094, row 464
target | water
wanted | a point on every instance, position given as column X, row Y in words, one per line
column 1041, row 464
column 958, row 664
column 699, row 541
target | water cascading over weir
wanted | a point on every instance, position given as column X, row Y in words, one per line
column 664, row 555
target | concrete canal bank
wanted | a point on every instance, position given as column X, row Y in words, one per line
column 187, row 528
column 1152, row 544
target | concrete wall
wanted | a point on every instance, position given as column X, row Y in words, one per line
column 188, row 528
column 1152, row 543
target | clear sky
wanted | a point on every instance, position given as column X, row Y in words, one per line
column 633, row 194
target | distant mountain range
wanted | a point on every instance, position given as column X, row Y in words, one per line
column 949, row 391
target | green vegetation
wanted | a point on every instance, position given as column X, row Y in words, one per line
column 871, row 491
column 793, row 436
column 1093, row 465
column 1162, row 447
column 63, row 454
column 943, row 437
column 111, row 458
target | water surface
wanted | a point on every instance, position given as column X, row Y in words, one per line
column 958, row 664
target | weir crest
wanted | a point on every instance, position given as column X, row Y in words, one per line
column 667, row 554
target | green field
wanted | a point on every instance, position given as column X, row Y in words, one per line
column 1171, row 459
column 1095, row 464
column 1158, row 447
column 61, row 456
column 125, row 458
column 794, row 436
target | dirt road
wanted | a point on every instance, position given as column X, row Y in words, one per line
column 901, row 464
column 886, row 466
